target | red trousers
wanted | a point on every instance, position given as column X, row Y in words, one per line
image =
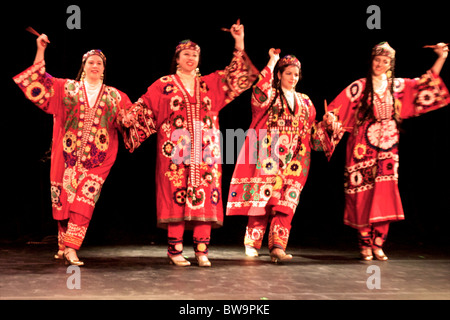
column 71, row 232
column 201, row 237
column 373, row 236
column 280, row 227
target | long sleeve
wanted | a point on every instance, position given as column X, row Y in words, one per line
column 421, row 95
column 41, row 88
column 137, row 121
column 229, row 83
column 263, row 92
column 321, row 138
column 324, row 140
column 155, row 108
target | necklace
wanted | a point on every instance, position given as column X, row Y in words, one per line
column 188, row 81
column 380, row 84
column 290, row 99
column 92, row 91
column 195, row 129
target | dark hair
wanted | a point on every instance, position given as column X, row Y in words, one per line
column 365, row 109
column 276, row 83
column 276, row 80
column 173, row 66
column 83, row 64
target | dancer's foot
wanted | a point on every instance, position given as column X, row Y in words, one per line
column 251, row 251
column 71, row 257
column 278, row 254
column 178, row 260
column 379, row 254
column 203, row 260
column 366, row 254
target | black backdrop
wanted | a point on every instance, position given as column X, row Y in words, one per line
column 138, row 38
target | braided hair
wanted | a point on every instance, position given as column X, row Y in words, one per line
column 276, row 84
column 365, row 110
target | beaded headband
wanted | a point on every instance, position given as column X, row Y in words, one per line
column 289, row 60
column 187, row 44
column 93, row 53
column 383, row 49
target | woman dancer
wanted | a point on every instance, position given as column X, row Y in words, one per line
column 370, row 110
column 85, row 140
column 183, row 108
column 273, row 166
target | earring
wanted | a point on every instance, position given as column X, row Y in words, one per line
column 83, row 75
column 102, row 76
column 389, row 73
column 197, row 71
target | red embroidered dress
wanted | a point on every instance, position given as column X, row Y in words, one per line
column 85, row 139
column 371, row 170
column 273, row 165
column 188, row 180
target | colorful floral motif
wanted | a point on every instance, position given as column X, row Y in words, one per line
column 371, row 170
column 83, row 149
column 188, row 139
column 281, row 152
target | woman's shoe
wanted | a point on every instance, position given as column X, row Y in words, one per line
column 366, row 254
column 59, row 255
column 178, row 260
column 279, row 255
column 251, row 252
column 203, row 260
column 73, row 262
column 379, row 254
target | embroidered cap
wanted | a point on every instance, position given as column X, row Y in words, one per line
column 93, row 53
column 187, row 44
column 383, row 49
column 289, row 60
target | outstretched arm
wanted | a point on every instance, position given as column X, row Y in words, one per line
column 442, row 51
column 237, row 31
column 41, row 43
column 274, row 55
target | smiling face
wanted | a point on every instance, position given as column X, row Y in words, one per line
column 94, row 68
column 380, row 65
column 188, row 60
column 289, row 78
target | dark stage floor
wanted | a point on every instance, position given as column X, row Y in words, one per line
column 143, row 272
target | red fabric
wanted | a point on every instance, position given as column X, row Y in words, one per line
column 71, row 232
column 372, row 160
column 374, row 235
column 188, row 166
column 201, row 230
column 201, row 237
column 279, row 230
column 85, row 139
column 273, row 165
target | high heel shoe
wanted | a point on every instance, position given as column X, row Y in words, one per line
column 251, row 252
column 380, row 255
column 279, row 255
column 366, row 254
column 73, row 262
column 203, row 260
column 178, row 260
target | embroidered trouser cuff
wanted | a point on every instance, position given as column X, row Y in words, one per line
column 280, row 227
column 201, row 237
column 71, row 232
column 373, row 236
